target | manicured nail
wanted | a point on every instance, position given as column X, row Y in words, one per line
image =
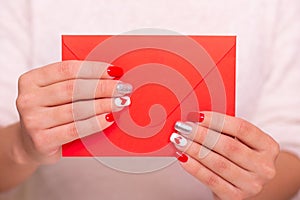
column 184, row 128
column 182, row 157
column 109, row 117
column 195, row 117
column 114, row 71
column 201, row 117
column 178, row 139
column 124, row 88
column 122, row 101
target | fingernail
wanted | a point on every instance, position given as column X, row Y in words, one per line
column 109, row 117
column 124, row 88
column 122, row 101
column 182, row 157
column 115, row 71
column 184, row 128
column 178, row 139
column 201, row 117
column 195, row 117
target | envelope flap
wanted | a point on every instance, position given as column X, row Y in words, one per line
column 216, row 46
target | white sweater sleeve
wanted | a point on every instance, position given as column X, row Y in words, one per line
column 15, row 54
column 279, row 108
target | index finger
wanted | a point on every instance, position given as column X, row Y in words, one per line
column 72, row 69
column 239, row 128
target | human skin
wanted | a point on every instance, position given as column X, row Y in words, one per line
column 241, row 163
column 237, row 168
column 46, row 103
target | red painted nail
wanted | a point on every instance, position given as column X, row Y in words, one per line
column 182, row 157
column 115, row 71
column 195, row 117
column 201, row 117
column 109, row 117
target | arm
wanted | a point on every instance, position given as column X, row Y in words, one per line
column 13, row 170
column 16, row 54
column 278, row 113
column 286, row 182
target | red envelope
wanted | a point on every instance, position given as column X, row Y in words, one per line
column 172, row 76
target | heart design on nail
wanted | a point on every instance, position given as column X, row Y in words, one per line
column 177, row 140
column 123, row 100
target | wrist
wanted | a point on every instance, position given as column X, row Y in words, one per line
column 19, row 153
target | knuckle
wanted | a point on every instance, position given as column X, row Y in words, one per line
column 66, row 68
column 30, row 121
column 273, row 147
column 243, row 127
column 102, row 87
column 269, row 171
column 221, row 166
column 69, row 113
column 24, row 100
column 72, row 132
column 276, row 148
column 100, row 107
column 212, row 181
column 22, row 81
column 231, row 147
column 69, row 87
column 255, row 188
column 201, row 133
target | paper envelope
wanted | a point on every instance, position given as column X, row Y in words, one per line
column 172, row 76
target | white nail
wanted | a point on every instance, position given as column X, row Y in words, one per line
column 178, row 139
column 122, row 101
column 124, row 88
column 184, row 128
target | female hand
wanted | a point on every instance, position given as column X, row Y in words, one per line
column 64, row 101
column 229, row 155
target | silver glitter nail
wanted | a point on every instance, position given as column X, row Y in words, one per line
column 184, row 128
column 124, row 88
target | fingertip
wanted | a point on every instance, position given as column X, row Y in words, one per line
column 123, row 89
column 183, row 158
column 121, row 102
column 115, row 71
column 197, row 117
column 109, row 117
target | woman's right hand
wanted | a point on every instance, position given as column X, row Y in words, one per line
column 64, row 101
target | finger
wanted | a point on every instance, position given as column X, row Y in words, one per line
column 236, row 127
column 216, row 183
column 52, row 158
column 80, row 110
column 223, row 167
column 60, row 135
column 75, row 90
column 72, row 69
column 226, row 146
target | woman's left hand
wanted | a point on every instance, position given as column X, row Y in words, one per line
column 234, row 164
